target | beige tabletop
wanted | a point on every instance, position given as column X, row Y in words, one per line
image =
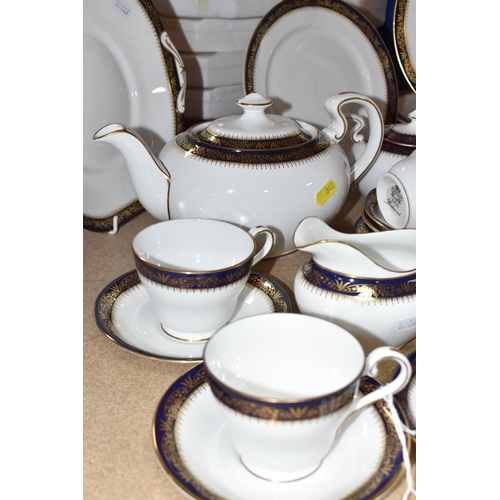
column 122, row 389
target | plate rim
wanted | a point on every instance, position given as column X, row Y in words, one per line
column 353, row 15
column 399, row 19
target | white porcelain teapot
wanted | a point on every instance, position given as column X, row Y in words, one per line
column 365, row 283
column 251, row 169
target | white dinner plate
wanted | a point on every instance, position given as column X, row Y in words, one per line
column 304, row 51
column 125, row 315
column 405, row 39
column 128, row 78
column 194, row 446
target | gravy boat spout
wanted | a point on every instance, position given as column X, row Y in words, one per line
column 387, row 254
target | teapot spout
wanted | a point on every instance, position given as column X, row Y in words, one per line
column 150, row 178
column 385, row 254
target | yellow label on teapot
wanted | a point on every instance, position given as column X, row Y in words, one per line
column 325, row 192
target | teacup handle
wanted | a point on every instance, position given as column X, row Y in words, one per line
column 268, row 244
column 403, row 378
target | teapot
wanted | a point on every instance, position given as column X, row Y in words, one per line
column 365, row 282
column 252, row 169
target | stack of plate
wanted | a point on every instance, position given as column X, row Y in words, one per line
column 371, row 219
column 212, row 38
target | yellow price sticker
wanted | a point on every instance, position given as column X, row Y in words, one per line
column 325, row 192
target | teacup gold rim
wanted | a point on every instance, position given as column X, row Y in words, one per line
column 196, row 273
column 285, row 401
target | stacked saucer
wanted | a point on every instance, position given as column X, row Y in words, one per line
column 371, row 219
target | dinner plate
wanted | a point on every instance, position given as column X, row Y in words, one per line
column 405, row 39
column 304, row 51
column 125, row 315
column 129, row 77
column 194, row 446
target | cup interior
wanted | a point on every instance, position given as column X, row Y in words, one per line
column 193, row 245
column 284, row 357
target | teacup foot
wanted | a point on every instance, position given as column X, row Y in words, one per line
column 187, row 337
column 279, row 476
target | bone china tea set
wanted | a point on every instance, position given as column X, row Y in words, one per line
column 278, row 397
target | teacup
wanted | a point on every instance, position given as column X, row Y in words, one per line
column 396, row 194
column 194, row 270
column 286, row 383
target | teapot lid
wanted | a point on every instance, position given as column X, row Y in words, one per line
column 404, row 134
column 254, row 123
column 254, row 137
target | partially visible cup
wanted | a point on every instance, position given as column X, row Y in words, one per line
column 285, row 384
column 194, row 270
column 396, row 194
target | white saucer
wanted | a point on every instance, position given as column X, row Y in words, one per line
column 124, row 314
column 195, row 448
column 304, row 51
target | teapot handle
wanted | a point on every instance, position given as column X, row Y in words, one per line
column 338, row 128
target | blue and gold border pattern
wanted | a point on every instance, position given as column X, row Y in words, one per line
column 251, row 153
column 194, row 280
column 364, row 288
column 106, row 224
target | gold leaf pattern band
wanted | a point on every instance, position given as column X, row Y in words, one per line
column 365, row 288
column 281, row 410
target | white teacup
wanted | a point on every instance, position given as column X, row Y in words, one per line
column 285, row 383
column 194, row 270
column 396, row 194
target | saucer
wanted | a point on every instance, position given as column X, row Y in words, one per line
column 371, row 213
column 124, row 314
column 194, row 446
